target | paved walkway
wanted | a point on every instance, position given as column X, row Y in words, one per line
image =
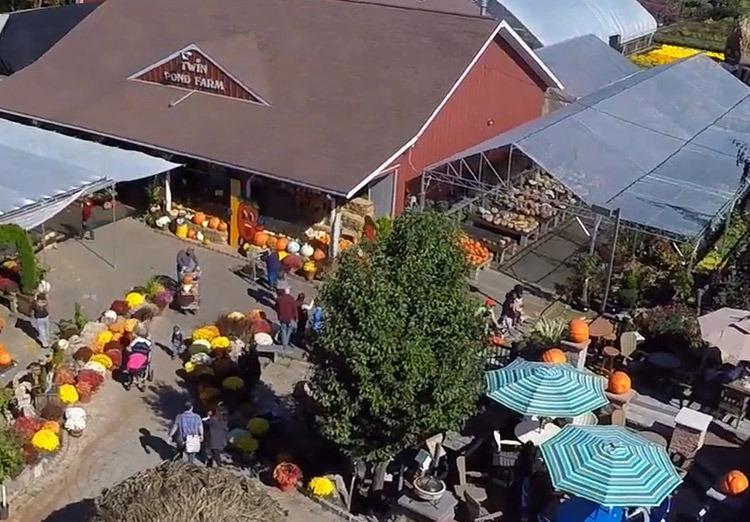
column 116, row 444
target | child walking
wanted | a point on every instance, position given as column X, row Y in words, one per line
column 178, row 342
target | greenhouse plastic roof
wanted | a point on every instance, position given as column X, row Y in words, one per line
column 585, row 64
column 554, row 21
column 660, row 145
column 41, row 169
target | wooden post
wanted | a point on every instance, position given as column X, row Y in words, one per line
column 235, row 190
column 168, row 191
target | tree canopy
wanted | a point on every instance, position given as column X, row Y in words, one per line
column 400, row 355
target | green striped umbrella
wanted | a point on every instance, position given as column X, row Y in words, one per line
column 546, row 390
column 610, row 465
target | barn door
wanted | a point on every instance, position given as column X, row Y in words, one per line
column 381, row 194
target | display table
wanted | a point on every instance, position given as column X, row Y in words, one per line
column 444, row 510
column 529, row 431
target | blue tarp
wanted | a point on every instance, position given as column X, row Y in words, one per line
column 585, row 64
column 661, row 145
column 582, row 510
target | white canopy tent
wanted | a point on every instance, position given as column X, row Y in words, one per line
column 42, row 172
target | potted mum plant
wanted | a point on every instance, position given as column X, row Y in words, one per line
column 75, row 421
column 287, row 475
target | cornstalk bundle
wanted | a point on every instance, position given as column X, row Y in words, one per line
column 177, row 492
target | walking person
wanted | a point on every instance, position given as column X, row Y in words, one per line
column 177, row 341
column 187, row 432
column 187, row 262
column 286, row 311
column 273, row 267
column 302, row 316
column 218, row 430
column 41, row 318
column 87, row 209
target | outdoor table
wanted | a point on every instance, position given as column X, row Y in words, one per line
column 653, row 437
column 530, row 431
column 601, row 327
column 456, row 442
column 444, row 510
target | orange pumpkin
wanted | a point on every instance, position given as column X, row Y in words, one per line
column 734, row 483
column 198, row 218
column 223, row 227
column 191, row 233
column 213, row 223
column 187, row 279
column 5, row 359
column 497, row 340
column 554, row 356
column 319, row 255
column 271, row 243
column 281, row 244
column 578, row 330
column 619, row 383
column 53, row 426
column 260, row 239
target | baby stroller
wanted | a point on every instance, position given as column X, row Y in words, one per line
column 138, row 366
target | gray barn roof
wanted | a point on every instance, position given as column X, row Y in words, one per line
column 661, row 145
column 585, row 64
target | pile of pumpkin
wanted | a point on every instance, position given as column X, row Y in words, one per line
column 293, row 256
column 323, row 239
column 203, row 223
column 476, row 253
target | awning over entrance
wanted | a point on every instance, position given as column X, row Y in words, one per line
column 42, row 172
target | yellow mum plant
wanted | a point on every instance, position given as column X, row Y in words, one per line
column 207, row 333
column 309, row 266
column 130, row 325
column 68, row 394
column 220, row 342
column 321, row 486
column 104, row 337
column 135, row 299
column 102, row 359
column 664, row 54
column 46, row 440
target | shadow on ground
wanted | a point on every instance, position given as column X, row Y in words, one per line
column 166, row 401
column 77, row 512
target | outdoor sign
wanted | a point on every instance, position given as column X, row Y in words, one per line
column 193, row 70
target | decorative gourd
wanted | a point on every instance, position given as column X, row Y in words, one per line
column 191, row 233
column 734, row 483
column 281, row 244
column 260, row 239
column 199, row 236
column 181, row 231
column 187, row 280
column 578, row 330
column 271, row 243
column 213, row 223
column 223, row 227
column 554, row 356
column 619, row 383
column 292, row 247
column 199, row 218
column 5, row 359
column 307, row 250
column 319, row 255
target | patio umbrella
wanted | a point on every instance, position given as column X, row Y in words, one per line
column 581, row 510
column 728, row 329
column 546, row 390
column 610, row 465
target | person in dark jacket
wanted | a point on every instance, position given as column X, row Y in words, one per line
column 286, row 311
column 87, row 209
column 273, row 267
column 217, row 428
column 302, row 315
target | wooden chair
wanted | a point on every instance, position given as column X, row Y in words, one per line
column 618, row 417
column 477, row 512
column 463, row 487
column 504, row 457
column 628, row 346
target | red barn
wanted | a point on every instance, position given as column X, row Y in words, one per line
column 334, row 97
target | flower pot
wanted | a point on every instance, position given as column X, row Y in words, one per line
column 75, row 433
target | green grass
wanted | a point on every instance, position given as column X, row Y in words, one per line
column 710, row 35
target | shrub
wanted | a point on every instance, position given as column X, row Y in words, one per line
column 670, row 328
column 11, row 454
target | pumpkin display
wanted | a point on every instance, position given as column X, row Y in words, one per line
column 578, row 330
column 319, row 255
column 223, row 227
column 734, row 482
column 619, row 383
column 213, row 223
column 260, row 238
column 307, row 250
column 5, row 359
column 476, row 253
column 554, row 356
column 191, row 233
column 271, row 243
column 281, row 244
column 181, row 231
column 199, row 218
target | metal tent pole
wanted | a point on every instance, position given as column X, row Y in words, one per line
column 610, row 268
column 111, row 191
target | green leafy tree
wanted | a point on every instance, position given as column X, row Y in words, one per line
column 400, row 355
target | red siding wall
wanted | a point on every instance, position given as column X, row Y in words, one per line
column 499, row 93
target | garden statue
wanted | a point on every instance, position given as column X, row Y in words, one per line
column 22, row 394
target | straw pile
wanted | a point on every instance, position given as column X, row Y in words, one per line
column 178, row 492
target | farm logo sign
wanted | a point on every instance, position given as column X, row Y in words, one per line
column 192, row 69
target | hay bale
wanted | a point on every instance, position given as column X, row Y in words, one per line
column 178, row 492
column 352, row 220
column 361, row 206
